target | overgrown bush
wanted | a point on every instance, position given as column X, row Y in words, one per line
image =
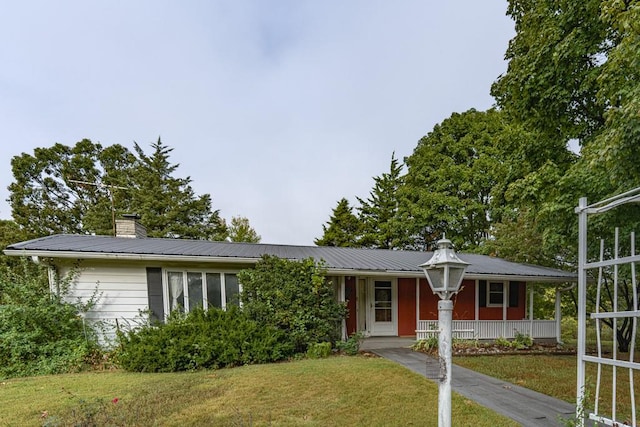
column 40, row 333
column 351, row 346
column 319, row 350
column 201, row 339
column 521, row 341
column 503, row 342
column 428, row 345
column 294, row 297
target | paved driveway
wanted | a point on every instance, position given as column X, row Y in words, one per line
column 525, row 406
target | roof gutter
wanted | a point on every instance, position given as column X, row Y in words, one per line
column 250, row 260
column 473, row 276
column 128, row 257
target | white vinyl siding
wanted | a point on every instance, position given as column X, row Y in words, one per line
column 120, row 293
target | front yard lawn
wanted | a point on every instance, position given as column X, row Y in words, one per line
column 334, row 391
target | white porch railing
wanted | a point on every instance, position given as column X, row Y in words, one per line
column 490, row 329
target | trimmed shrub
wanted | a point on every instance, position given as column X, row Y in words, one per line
column 200, row 339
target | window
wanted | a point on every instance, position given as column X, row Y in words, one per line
column 187, row 290
column 495, row 294
column 383, row 301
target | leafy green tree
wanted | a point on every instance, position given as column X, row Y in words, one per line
column 295, row 297
column 167, row 205
column 10, row 232
column 456, row 180
column 554, row 60
column 64, row 189
column 241, row 231
column 80, row 189
column 615, row 148
column 380, row 215
column 342, row 229
column 574, row 74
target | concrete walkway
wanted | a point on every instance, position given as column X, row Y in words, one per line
column 522, row 405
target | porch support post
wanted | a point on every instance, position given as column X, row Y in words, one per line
column 505, row 299
column 558, row 318
column 530, row 311
column 445, row 310
column 343, row 297
column 417, row 305
column 477, row 304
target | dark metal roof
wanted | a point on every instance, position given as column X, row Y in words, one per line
column 356, row 259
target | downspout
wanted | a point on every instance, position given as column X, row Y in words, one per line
column 53, row 275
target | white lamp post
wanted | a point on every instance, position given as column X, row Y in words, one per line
column 444, row 273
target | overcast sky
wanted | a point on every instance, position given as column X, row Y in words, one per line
column 277, row 108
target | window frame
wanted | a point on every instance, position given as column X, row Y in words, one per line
column 166, row 271
column 504, row 291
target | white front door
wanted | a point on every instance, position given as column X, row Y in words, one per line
column 383, row 307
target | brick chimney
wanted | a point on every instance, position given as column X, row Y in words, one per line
column 129, row 227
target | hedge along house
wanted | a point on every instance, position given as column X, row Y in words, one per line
column 386, row 291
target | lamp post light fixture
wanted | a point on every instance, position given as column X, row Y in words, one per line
column 444, row 273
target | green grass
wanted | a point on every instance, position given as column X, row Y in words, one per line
column 556, row 376
column 325, row 392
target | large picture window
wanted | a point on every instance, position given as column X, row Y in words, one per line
column 188, row 290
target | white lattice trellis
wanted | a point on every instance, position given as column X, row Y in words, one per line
column 611, row 262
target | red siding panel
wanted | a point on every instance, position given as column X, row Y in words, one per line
column 406, row 306
column 464, row 303
column 428, row 302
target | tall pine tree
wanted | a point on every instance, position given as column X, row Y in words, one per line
column 343, row 228
column 380, row 215
column 241, row 231
column 167, row 205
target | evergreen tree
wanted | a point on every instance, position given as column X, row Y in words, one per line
column 167, row 205
column 241, row 231
column 342, row 229
column 380, row 213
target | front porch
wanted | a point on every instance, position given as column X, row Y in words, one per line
column 484, row 309
column 492, row 329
